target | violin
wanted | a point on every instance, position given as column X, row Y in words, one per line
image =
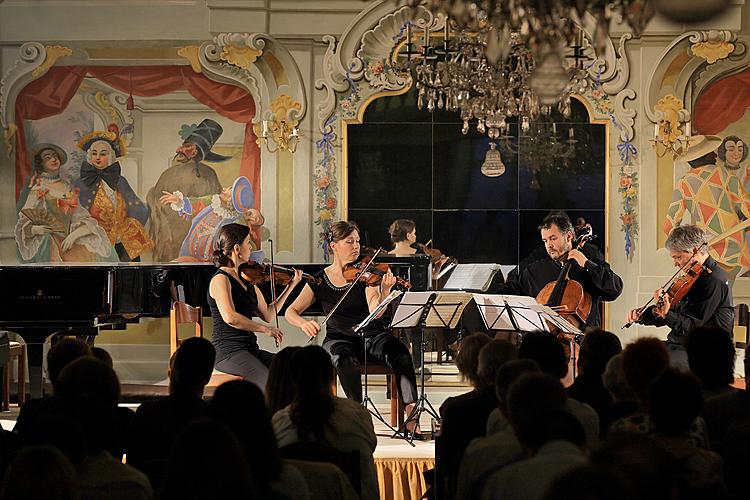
column 372, row 275
column 565, row 295
column 678, row 288
column 255, row 273
column 438, row 258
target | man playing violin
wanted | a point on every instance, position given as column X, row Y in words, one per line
column 595, row 276
column 344, row 345
column 708, row 301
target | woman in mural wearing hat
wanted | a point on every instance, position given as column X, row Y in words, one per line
column 211, row 213
column 716, row 202
column 52, row 226
column 107, row 195
column 233, row 304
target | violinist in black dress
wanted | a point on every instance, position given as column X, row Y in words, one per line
column 708, row 303
column 341, row 342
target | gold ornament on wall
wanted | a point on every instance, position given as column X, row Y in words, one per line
column 54, row 52
column 281, row 128
column 242, row 57
column 673, row 130
column 712, row 51
column 190, row 52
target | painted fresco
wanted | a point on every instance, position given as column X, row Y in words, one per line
column 102, row 183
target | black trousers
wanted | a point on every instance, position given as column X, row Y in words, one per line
column 348, row 352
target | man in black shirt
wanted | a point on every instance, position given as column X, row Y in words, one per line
column 594, row 275
column 709, row 301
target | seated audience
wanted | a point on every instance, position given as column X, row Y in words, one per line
column 624, row 400
column 592, row 482
column 279, row 387
column 124, row 415
column 315, row 415
column 597, row 349
column 722, row 411
column 240, row 405
column 710, row 352
column 157, row 423
column 40, row 473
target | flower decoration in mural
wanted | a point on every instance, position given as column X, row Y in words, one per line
column 324, row 183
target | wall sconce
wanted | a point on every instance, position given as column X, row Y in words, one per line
column 667, row 134
column 282, row 136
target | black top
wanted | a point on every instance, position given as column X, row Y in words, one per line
column 350, row 313
column 709, row 303
column 228, row 339
column 597, row 279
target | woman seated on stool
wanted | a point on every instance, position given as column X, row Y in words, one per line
column 345, row 347
column 233, row 304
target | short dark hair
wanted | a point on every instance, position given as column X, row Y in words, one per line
column 597, row 349
column 62, row 353
column 341, row 230
column 641, row 363
column 400, row 228
column 710, row 352
column 229, row 236
column 546, row 350
column 467, row 359
column 193, row 363
column 722, row 151
column 675, row 401
column 559, row 219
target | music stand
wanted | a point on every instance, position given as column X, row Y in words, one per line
column 359, row 330
column 425, row 310
column 516, row 313
column 571, row 333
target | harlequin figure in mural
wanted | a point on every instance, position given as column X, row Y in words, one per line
column 716, row 202
column 733, row 152
column 107, row 195
column 52, row 225
column 189, row 176
column 211, row 213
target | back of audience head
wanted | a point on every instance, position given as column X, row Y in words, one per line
column 493, row 356
column 467, row 359
column 614, row 381
column 240, row 405
column 533, row 394
column 509, row 373
column 279, row 387
column 547, row 351
column 103, row 356
column 641, row 363
column 62, row 353
column 591, row 482
column 675, row 401
column 711, row 353
column 40, row 473
column 191, row 367
column 207, row 462
column 313, row 404
column 649, row 467
column 597, row 349
column 548, row 426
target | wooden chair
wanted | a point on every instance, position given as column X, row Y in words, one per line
column 182, row 313
column 742, row 319
column 17, row 351
column 397, row 406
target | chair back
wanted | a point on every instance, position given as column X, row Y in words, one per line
column 181, row 313
column 4, row 347
column 347, row 461
column 742, row 319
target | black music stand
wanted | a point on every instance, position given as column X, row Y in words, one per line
column 572, row 334
column 514, row 313
column 423, row 310
column 359, row 330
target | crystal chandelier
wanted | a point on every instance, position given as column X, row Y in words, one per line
column 543, row 149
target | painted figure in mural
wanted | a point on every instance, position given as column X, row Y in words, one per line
column 716, row 202
column 733, row 153
column 189, row 176
column 107, row 195
column 210, row 213
column 52, row 225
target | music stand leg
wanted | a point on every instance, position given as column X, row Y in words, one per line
column 366, row 401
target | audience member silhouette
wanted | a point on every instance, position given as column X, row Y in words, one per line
column 40, row 473
column 675, row 401
column 722, row 411
column 597, row 349
column 157, row 423
column 91, row 391
column 207, row 463
column 551, row 436
column 315, row 415
column 240, row 405
column 591, row 482
column 485, row 455
column 624, row 400
column 710, row 352
column 464, row 417
column 279, row 387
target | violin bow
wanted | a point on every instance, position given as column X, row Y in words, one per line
column 273, row 293
column 349, row 289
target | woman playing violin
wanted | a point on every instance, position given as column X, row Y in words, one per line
column 403, row 234
column 233, row 304
column 708, row 302
column 346, row 347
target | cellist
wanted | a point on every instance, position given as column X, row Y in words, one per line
column 708, row 302
column 595, row 276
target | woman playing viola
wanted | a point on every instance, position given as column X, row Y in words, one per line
column 233, row 304
column 345, row 347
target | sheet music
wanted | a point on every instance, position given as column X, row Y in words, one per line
column 557, row 320
column 471, row 277
column 524, row 309
column 390, row 298
column 448, row 307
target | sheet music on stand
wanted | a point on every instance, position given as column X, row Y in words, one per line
column 475, row 277
column 550, row 315
column 446, row 310
column 378, row 310
column 510, row 312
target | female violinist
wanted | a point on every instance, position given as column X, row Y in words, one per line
column 233, row 304
column 341, row 342
column 708, row 301
column 403, row 234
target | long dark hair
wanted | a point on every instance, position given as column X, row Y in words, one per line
column 280, row 386
column 229, row 236
column 313, row 405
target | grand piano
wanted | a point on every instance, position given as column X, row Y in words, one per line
column 41, row 300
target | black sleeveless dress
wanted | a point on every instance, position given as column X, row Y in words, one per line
column 228, row 339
